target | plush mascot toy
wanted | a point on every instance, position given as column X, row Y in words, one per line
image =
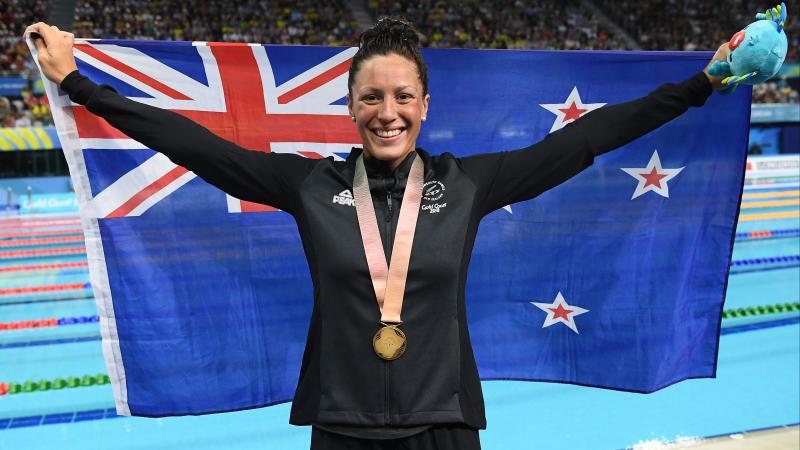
column 757, row 52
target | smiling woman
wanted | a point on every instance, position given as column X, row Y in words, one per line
column 417, row 385
column 388, row 91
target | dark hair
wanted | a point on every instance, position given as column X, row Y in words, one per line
column 390, row 35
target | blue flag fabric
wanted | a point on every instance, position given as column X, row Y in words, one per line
column 614, row 279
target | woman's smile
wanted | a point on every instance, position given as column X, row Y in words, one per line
column 388, row 104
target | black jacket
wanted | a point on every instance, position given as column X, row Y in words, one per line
column 342, row 382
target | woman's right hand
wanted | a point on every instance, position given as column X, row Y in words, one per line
column 54, row 49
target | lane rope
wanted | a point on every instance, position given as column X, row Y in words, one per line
column 42, row 385
column 768, row 260
column 47, row 323
column 62, row 231
column 47, row 288
column 38, row 253
column 50, row 419
column 767, row 234
column 41, row 241
column 39, row 267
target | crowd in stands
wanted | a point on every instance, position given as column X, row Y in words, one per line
column 511, row 24
column 311, row 22
column 689, row 24
column 774, row 92
column 515, row 24
column 27, row 108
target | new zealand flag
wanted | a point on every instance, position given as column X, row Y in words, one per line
column 614, row 279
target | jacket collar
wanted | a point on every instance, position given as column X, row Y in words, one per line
column 380, row 169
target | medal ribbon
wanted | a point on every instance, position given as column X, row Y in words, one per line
column 389, row 282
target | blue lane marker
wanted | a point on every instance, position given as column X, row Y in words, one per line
column 763, row 269
column 772, row 260
column 49, row 342
column 760, row 325
column 29, row 421
column 50, row 419
column 90, row 415
column 66, row 299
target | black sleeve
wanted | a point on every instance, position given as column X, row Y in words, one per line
column 268, row 178
column 508, row 177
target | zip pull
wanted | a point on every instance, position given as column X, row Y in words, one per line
column 389, row 206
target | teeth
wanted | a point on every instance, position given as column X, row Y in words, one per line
column 388, row 133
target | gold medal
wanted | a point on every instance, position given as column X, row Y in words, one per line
column 389, row 342
column 388, row 281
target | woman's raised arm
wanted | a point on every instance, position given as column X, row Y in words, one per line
column 268, row 178
column 509, row 177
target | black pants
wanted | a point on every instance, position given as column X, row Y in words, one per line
column 437, row 437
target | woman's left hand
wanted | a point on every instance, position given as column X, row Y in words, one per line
column 720, row 55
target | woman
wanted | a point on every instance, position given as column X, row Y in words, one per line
column 423, row 393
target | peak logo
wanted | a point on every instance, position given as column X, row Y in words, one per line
column 344, row 198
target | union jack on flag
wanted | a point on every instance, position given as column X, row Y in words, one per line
column 203, row 309
column 303, row 114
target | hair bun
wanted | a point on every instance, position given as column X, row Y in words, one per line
column 390, row 35
column 391, row 29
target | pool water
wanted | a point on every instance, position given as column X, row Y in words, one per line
column 756, row 386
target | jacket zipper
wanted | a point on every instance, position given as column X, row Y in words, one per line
column 389, row 209
column 389, row 239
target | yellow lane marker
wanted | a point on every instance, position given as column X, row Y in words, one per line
column 771, row 204
column 771, row 194
column 766, row 216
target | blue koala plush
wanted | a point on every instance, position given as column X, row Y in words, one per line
column 757, row 52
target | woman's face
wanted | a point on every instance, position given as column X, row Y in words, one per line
column 388, row 104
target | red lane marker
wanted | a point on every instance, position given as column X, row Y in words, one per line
column 37, row 289
column 25, row 324
column 130, row 71
column 37, row 224
column 41, row 241
column 43, row 252
column 34, row 267
column 3, row 388
column 36, row 219
column 316, row 82
column 17, row 234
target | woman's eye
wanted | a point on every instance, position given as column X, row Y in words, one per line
column 404, row 97
column 370, row 98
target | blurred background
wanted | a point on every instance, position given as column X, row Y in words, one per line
column 53, row 389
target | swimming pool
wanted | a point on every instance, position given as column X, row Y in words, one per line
column 44, row 282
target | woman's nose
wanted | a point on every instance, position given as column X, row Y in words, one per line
column 388, row 111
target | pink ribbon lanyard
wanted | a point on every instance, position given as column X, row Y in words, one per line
column 389, row 282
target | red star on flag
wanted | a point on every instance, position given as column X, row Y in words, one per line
column 653, row 177
column 571, row 110
column 572, row 113
column 560, row 311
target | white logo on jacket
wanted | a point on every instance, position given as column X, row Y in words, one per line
column 344, row 198
column 432, row 191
